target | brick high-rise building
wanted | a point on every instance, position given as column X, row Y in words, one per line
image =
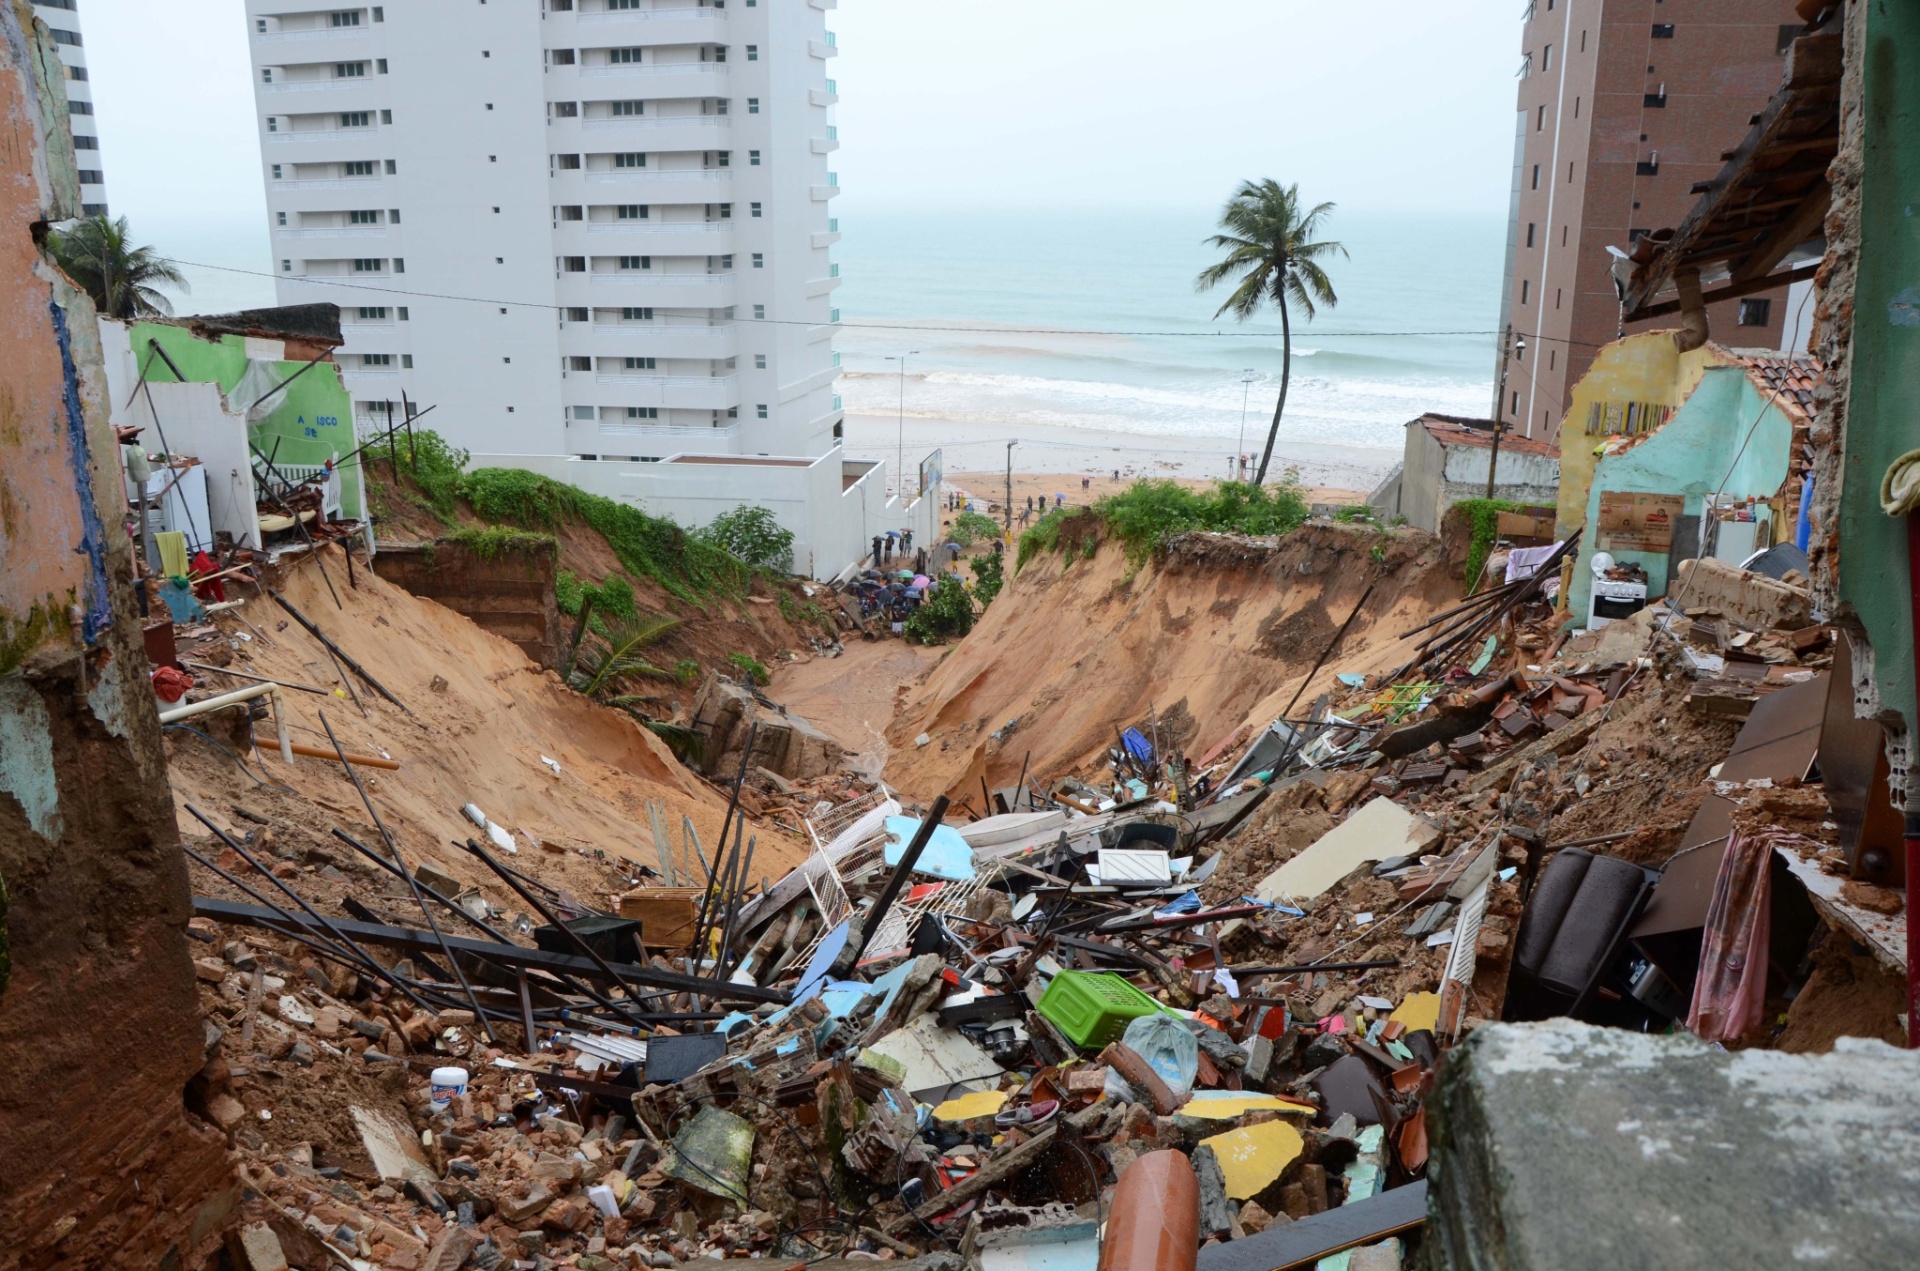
column 1626, row 108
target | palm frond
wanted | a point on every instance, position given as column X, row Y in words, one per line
column 621, row 657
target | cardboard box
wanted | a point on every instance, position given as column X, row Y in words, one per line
column 1635, row 522
column 666, row 914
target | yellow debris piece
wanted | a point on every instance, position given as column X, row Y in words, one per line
column 1231, row 1106
column 1418, row 1011
column 969, row 1107
column 1252, row 1158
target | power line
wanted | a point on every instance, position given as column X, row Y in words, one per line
column 858, row 326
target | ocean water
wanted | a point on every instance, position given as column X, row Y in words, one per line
column 998, row 303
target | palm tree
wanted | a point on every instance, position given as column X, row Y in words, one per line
column 99, row 256
column 1272, row 252
column 622, row 658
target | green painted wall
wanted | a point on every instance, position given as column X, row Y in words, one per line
column 312, row 422
column 1883, row 411
column 1690, row 455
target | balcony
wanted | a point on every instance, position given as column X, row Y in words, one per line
column 690, row 238
column 821, row 50
column 272, row 38
column 324, row 183
column 821, row 286
column 320, row 134
column 650, row 278
column 655, row 339
column 665, row 26
column 823, row 145
column 675, row 392
column 318, row 85
column 821, row 193
column 717, row 436
column 694, row 181
column 712, row 123
column 355, row 374
column 823, row 96
column 332, row 231
column 653, row 70
column 827, row 239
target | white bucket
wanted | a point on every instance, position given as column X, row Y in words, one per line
column 446, row 1085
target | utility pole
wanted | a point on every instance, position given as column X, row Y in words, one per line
column 1500, row 388
column 1519, row 349
column 900, row 481
column 1246, row 387
column 1009, row 503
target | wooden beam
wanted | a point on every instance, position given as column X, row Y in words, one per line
column 1787, row 235
column 1731, row 292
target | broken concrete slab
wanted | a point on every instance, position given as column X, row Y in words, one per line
column 391, row 1145
column 1664, row 1152
column 1753, row 600
column 1377, row 831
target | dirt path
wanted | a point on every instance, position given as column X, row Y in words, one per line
column 851, row 698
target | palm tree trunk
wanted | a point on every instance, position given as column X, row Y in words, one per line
column 1286, row 373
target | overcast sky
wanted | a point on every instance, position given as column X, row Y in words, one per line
column 1390, row 105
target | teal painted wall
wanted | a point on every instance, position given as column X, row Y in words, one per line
column 1883, row 409
column 1691, row 455
column 312, row 422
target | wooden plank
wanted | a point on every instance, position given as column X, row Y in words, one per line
column 1302, row 1243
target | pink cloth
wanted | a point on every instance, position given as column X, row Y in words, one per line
column 1730, row 993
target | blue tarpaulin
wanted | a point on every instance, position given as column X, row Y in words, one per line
column 1137, row 745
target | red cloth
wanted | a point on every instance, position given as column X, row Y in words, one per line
column 201, row 565
column 170, row 685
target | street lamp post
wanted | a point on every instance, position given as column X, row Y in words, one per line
column 901, row 479
column 1246, row 387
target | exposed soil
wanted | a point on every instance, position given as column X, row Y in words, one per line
column 483, row 719
column 851, row 697
column 1076, row 649
column 1848, row 995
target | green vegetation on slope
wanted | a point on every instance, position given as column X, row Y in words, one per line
column 1144, row 515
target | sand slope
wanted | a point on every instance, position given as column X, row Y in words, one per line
column 1216, row 635
column 478, row 738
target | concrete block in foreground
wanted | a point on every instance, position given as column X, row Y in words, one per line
column 1562, row 1146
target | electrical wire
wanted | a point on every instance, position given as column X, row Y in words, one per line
column 797, row 322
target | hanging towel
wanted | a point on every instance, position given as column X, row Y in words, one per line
column 172, row 545
column 1523, row 561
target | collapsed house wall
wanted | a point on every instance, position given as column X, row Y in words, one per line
column 100, row 1030
column 510, row 594
column 1867, row 330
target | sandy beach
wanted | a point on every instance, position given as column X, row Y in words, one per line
column 1336, row 473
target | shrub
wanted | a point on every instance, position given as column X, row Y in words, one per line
column 1483, row 515
column 755, row 536
column 946, row 613
column 1147, row 513
column 989, row 576
column 971, row 527
column 689, row 566
column 750, row 668
column 1044, row 535
column 490, row 541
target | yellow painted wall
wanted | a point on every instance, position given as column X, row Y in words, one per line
column 1643, row 368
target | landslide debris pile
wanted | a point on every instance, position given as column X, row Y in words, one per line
column 1206, row 1002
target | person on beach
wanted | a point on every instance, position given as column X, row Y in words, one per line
column 906, row 541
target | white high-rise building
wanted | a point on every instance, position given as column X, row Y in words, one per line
column 63, row 18
column 574, row 227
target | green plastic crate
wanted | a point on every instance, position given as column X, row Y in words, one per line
column 1093, row 1007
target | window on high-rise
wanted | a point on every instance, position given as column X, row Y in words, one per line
column 1536, row 176
column 373, row 313
column 755, row 208
column 1546, row 57
column 282, row 217
column 1663, row 30
column 753, row 105
column 357, row 168
column 356, row 119
column 569, row 212
column 644, row 314
column 1529, row 233
column 761, row 410
column 620, row 57
column 759, row 361
column 631, row 159
column 636, row 262
column 349, row 70
column 368, row 216
column 629, row 108
column 349, row 17
column 579, row 364
column 1755, row 311
column 641, row 364
column 643, row 412
column 376, row 359
column 753, row 52
column 561, row 110
column 631, row 212
column 753, row 158
column 1525, row 287
column 574, row 264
